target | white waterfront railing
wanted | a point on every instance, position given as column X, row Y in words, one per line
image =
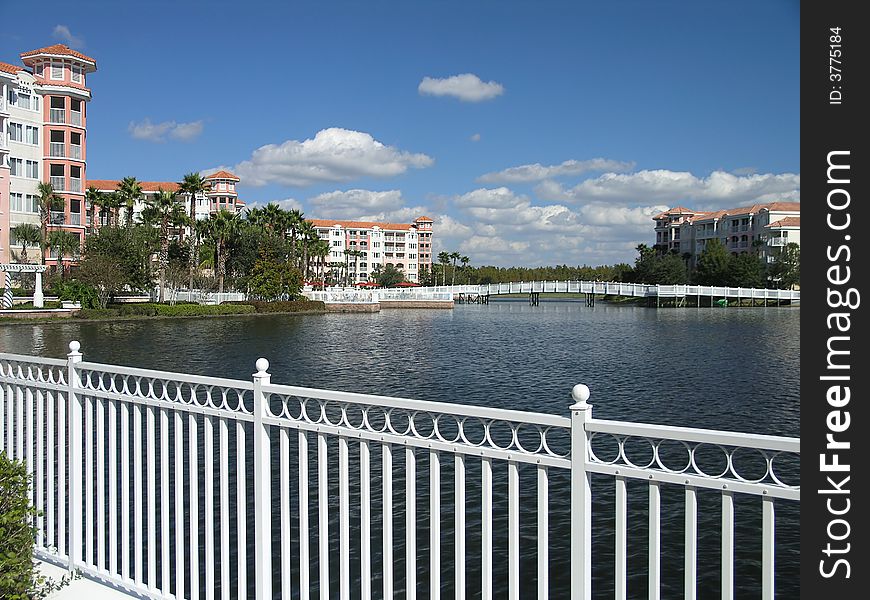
column 171, row 480
column 615, row 288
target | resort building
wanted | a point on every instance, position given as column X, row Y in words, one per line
column 43, row 137
column 221, row 195
column 761, row 228
column 407, row 246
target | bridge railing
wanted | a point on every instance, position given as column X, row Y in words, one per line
column 173, row 485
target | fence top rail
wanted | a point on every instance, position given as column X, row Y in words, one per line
column 698, row 436
column 168, row 376
column 23, row 358
column 426, row 406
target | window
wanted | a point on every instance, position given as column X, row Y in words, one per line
column 31, row 169
column 57, row 71
column 16, row 202
column 376, row 254
column 376, row 244
column 31, row 135
column 16, row 132
column 336, row 243
column 76, row 73
column 16, row 167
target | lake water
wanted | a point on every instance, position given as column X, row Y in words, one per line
column 721, row 368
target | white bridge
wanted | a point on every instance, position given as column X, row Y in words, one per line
column 172, row 485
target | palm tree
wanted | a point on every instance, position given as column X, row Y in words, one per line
column 164, row 211
column 129, row 191
column 308, row 237
column 320, row 250
column 111, row 203
column 94, row 198
column 192, row 184
column 444, row 259
column 47, row 201
column 455, row 256
column 220, row 228
column 65, row 243
column 294, row 222
column 26, row 235
column 465, row 260
column 356, row 256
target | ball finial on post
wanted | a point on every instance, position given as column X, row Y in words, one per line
column 262, row 365
column 74, row 346
column 580, row 393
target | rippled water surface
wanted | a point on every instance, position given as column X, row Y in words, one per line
column 720, row 368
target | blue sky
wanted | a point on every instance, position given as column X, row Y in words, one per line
column 533, row 133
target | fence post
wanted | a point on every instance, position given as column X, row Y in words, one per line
column 74, row 457
column 262, row 486
column 581, row 497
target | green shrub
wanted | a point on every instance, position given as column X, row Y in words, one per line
column 194, row 310
column 282, row 307
column 16, row 535
column 76, row 291
column 96, row 313
column 136, row 310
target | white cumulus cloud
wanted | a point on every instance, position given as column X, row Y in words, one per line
column 333, row 155
column 538, row 172
column 158, row 132
column 62, row 32
column 350, row 204
column 719, row 189
column 467, row 87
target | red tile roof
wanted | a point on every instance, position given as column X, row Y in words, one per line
column 7, row 68
column 359, row 224
column 147, row 186
column 59, row 49
column 786, row 222
column 423, row 219
column 700, row 215
column 222, row 175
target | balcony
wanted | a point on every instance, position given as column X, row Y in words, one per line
column 57, row 115
column 777, row 241
column 75, row 184
column 57, row 149
column 75, row 118
column 58, row 183
column 75, row 152
column 58, row 218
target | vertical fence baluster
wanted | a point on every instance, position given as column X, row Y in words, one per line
column 138, row 526
column 89, row 532
column 767, row 548
column 164, row 500
column 61, row 490
column 543, row 534
column 410, row 524
column 459, row 518
column 113, row 487
column 101, row 484
column 691, row 544
column 727, row 545
column 262, row 486
column 323, row 515
column 28, row 444
column 343, row 520
column 193, row 504
column 4, row 418
column 75, row 457
column 19, row 424
column 50, row 471
column 387, row 461
column 40, row 467
column 286, row 558
column 486, row 528
column 304, row 533
column 178, row 529
column 224, row 469
column 434, row 525
column 621, row 541
column 242, row 516
column 581, row 497
column 513, row 530
column 125, row 490
column 208, row 483
column 655, row 540
column 151, row 471
column 365, row 508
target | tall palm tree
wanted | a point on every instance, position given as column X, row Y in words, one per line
column 47, row 201
column 455, row 256
column 94, row 199
column 220, row 228
column 65, row 243
column 111, row 203
column 308, row 236
column 164, row 211
column 192, row 184
column 320, row 250
column 26, row 234
column 465, row 260
column 294, row 223
column 274, row 219
column 129, row 191
column 444, row 259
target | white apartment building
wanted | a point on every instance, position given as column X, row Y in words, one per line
column 407, row 246
column 43, row 137
column 221, row 195
column 761, row 228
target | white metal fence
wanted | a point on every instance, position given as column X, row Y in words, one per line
column 177, row 485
